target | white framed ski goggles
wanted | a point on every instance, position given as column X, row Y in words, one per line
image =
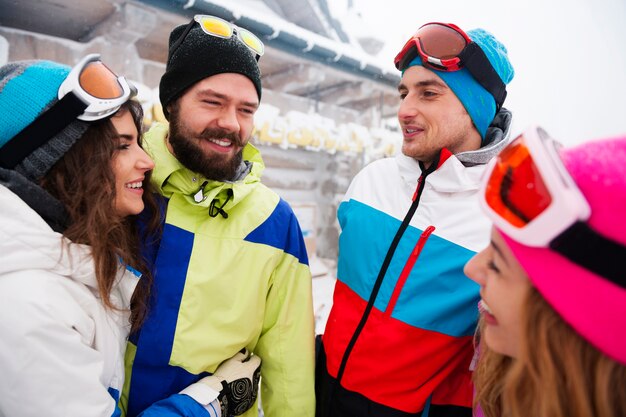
column 98, row 86
column 91, row 91
column 215, row 26
column 220, row 28
column 528, row 194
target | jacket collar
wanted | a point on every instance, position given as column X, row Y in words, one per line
column 461, row 172
column 171, row 177
column 496, row 138
column 49, row 208
column 34, row 245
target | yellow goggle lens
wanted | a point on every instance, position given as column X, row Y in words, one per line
column 251, row 40
column 217, row 27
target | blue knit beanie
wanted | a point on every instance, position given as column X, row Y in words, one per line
column 27, row 89
column 478, row 103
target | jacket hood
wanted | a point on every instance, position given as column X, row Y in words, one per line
column 171, row 177
column 28, row 243
column 496, row 139
column 48, row 207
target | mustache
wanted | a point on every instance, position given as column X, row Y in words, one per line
column 214, row 133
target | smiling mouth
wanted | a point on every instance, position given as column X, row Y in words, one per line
column 412, row 131
column 221, row 142
column 134, row 185
column 482, row 307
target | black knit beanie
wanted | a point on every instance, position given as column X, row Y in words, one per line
column 198, row 56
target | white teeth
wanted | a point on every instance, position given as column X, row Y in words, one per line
column 221, row 142
column 411, row 130
column 484, row 305
column 137, row 184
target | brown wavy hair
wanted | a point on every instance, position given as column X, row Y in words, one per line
column 83, row 181
column 489, row 376
column 558, row 373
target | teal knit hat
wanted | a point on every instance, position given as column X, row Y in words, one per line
column 478, row 103
column 27, row 89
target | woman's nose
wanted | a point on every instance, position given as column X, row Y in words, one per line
column 144, row 161
column 475, row 268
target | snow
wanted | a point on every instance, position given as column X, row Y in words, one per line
column 253, row 11
column 568, row 55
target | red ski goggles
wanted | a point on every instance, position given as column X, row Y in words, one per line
column 528, row 194
column 445, row 47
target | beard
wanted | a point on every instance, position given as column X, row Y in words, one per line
column 212, row 166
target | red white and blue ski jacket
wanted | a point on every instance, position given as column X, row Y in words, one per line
column 399, row 335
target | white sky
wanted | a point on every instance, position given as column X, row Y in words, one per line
column 569, row 55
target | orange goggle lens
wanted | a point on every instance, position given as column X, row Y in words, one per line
column 440, row 41
column 100, row 82
column 515, row 189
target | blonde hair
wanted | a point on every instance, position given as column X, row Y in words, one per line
column 558, row 373
column 489, row 377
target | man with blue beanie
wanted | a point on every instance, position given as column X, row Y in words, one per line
column 398, row 341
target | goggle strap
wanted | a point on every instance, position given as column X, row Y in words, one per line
column 181, row 38
column 42, row 129
column 585, row 247
column 477, row 63
column 409, row 56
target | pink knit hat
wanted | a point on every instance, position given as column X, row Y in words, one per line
column 594, row 306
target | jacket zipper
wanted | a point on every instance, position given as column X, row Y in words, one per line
column 407, row 269
column 381, row 274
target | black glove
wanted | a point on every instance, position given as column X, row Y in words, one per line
column 237, row 380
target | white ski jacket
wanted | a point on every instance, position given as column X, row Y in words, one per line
column 61, row 352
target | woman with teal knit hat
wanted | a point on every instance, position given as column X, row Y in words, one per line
column 73, row 178
column 398, row 341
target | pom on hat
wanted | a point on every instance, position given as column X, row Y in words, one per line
column 594, row 306
column 27, row 89
column 199, row 56
column 478, row 103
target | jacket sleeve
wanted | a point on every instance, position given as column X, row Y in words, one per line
column 182, row 405
column 286, row 345
column 48, row 365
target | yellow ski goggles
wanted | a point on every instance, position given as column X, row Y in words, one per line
column 215, row 26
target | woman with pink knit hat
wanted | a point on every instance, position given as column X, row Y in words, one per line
column 553, row 280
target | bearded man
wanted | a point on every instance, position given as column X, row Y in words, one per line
column 230, row 268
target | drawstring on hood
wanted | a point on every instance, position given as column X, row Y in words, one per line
column 174, row 181
column 214, row 209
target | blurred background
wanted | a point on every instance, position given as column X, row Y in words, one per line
column 330, row 99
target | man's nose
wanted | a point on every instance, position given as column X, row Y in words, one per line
column 227, row 120
column 408, row 109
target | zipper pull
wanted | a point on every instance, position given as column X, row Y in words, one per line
column 199, row 196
